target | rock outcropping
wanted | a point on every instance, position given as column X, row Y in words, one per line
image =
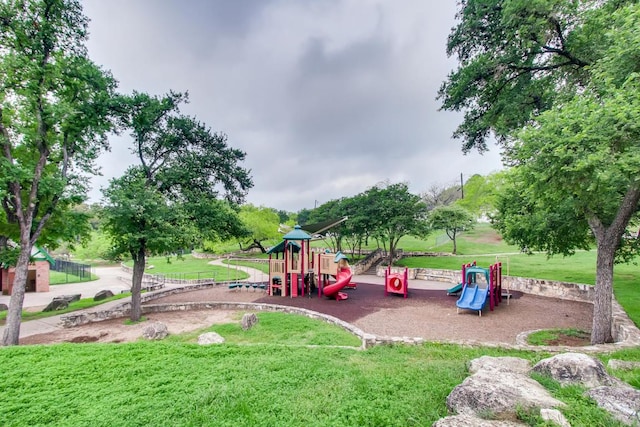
column 155, row 331
column 209, row 338
column 500, row 386
column 248, row 320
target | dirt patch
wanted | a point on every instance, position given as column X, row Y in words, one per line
column 429, row 314
column 570, row 338
column 117, row 330
column 570, row 341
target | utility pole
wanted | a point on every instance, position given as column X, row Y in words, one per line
column 461, row 187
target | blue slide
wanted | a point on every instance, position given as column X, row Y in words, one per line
column 473, row 298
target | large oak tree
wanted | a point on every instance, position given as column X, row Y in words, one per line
column 393, row 213
column 54, row 115
column 185, row 188
column 568, row 73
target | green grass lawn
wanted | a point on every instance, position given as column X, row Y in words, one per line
column 286, row 371
column 188, row 267
column 61, row 278
column 262, row 266
column 278, row 328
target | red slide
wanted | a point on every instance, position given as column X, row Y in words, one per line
column 342, row 279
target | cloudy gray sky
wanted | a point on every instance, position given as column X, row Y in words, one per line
column 326, row 97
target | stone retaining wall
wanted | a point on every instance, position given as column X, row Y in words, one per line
column 367, row 262
column 549, row 288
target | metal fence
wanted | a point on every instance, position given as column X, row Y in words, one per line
column 82, row 271
column 196, row 275
column 442, row 239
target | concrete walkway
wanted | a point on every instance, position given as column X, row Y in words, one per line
column 109, row 278
column 112, row 278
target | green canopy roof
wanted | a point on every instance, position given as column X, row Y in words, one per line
column 40, row 254
column 297, row 234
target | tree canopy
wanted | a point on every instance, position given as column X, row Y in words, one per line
column 480, row 193
column 262, row 224
column 517, row 59
column 385, row 212
column 557, row 83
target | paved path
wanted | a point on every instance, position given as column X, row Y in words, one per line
column 255, row 275
column 117, row 280
column 112, row 278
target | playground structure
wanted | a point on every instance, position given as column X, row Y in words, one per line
column 474, row 293
column 455, row 290
column 396, row 283
column 295, row 270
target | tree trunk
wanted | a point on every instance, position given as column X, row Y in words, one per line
column 136, row 284
column 11, row 334
column 455, row 246
column 607, row 241
column 602, row 310
column 451, row 234
column 259, row 245
column 392, row 250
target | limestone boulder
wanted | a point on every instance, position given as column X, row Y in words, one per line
column 554, row 416
column 470, row 421
column 248, row 320
column 61, row 302
column 499, row 365
column 498, row 386
column 155, row 331
column 71, row 298
column 576, row 368
column 4, row 307
column 622, row 402
column 102, row 295
column 209, row 338
column 57, row 304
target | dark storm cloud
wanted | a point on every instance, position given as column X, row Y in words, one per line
column 326, row 97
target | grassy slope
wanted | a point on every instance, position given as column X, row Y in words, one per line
column 165, row 383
